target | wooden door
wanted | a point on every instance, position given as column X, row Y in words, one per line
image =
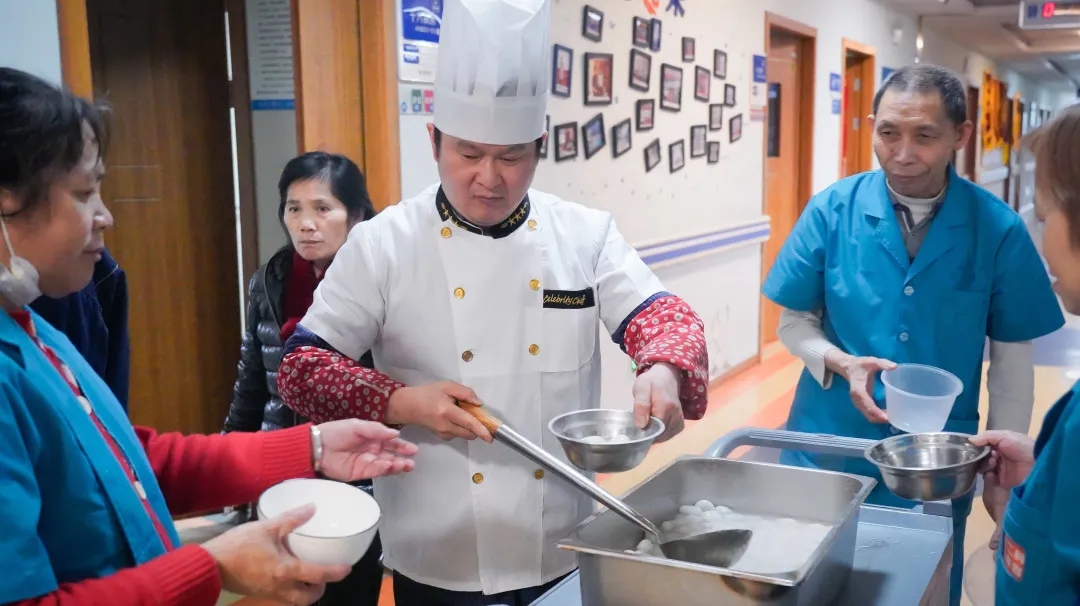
column 970, row 150
column 782, row 166
column 853, row 139
column 162, row 66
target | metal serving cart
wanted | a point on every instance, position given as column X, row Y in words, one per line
column 902, row 557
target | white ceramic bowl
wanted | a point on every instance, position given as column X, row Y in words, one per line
column 345, row 521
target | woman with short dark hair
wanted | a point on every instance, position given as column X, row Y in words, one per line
column 1030, row 488
column 322, row 196
column 87, row 500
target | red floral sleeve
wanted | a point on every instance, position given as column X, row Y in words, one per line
column 668, row 330
column 326, row 386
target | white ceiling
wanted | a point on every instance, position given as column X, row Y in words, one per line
column 989, row 27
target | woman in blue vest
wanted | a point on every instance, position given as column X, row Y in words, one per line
column 1038, row 558
column 86, row 500
column 910, row 264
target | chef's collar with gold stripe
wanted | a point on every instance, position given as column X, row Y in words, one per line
column 500, row 230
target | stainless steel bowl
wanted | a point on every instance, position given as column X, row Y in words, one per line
column 581, row 433
column 928, row 466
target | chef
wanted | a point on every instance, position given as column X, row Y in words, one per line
column 910, row 264
column 482, row 289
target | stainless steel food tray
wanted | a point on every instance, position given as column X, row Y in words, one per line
column 893, row 556
column 902, row 558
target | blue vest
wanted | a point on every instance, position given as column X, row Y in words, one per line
column 1038, row 563
column 69, row 511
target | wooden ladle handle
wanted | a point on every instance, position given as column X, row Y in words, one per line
column 489, row 422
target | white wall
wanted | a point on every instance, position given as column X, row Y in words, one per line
column 30, row 37
column 273, row 119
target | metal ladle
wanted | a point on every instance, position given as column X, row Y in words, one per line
column 720, row 548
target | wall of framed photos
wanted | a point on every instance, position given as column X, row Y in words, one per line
column 680, row 162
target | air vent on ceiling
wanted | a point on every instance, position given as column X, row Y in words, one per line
column 989, row 3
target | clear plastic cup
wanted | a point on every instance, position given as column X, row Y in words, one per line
column 918, row 398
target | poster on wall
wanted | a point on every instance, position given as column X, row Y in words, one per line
column 418, row 39
column 758, row 93
column 270, row 57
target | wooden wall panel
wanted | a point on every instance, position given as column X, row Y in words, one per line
column 378, row 70
column 326, row 60
column 75, row 47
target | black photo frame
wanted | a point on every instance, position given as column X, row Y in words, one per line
column 673, row 101
column 593, row 136
column 702, row 83
column 735, row 128
column 592, row 96
column 640, row 32
column 729, row 95
column 655, row 32
column 592, row 23
column 698, row 141
column 568, row 149
column 719, row 64
column 689, row 49
column 677, row 156
column 621, row 141
column 639, row 78
column 645, row 114
column 714, row 152
column 716, row 116
column 652, row 155
column 562, row 88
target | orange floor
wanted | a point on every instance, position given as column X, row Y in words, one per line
column 761, row 396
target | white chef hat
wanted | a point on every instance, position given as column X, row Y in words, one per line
column 494, row 70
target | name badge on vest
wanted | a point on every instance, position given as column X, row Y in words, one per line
column 569, row 299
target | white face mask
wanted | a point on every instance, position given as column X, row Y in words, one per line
column 19, row 284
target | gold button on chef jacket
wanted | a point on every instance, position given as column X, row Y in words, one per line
column 529, row 355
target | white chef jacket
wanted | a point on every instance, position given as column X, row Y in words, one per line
column 434, row 300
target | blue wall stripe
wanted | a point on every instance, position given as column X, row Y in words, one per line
column 651, row 259
column 272, row 104
column 646, row 249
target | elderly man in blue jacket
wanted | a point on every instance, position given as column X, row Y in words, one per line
column 95, row 320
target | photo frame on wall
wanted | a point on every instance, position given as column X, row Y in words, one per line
column 654, row 35
column 547, row 129
column 729, row 95
column 592, row 23
column 640, row 32
column 716, row 116
column 714, row 152
column 562, row 70
column 652, row 155
column 593, row 135
column 688, row 52
column 697, row 141
column 620, row 138
column 644, row 111
column 677, row 155
column 719, row 64
column 598, row 68
column 735, row 128
column 670, row 87
column 702, row 83
column 640, row 70
column 566, row 147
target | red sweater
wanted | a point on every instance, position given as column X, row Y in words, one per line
column 196, row 473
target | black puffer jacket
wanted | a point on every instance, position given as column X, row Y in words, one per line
column 256, row 404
